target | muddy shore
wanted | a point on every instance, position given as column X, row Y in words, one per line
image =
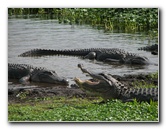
column 23, row 94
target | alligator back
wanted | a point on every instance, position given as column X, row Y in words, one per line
column 43, row 52
column 150, row 48
column 17, row 71
column 26, row 73
column 74, row 52
column 140, row 94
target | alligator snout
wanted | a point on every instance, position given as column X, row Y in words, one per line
column 65, row 81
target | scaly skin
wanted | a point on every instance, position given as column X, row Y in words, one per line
column 26, row 73
column 109, row 88
column 153, row 49
column 101, row 54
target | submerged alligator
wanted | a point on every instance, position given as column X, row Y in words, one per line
column 108, row 88
column 153, row 49
column 101, row 54
column 26, row 73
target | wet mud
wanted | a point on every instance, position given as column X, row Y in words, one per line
column 26, row 93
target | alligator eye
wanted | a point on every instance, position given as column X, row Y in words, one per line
column 102, row 74
column 46, row 72
column 53, row 72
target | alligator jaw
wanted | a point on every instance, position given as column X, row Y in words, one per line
column 82, row 69
column 98, row 84
column 92, row 87
column 96, row 79
column 95, row 76
column 109, row 88
column 89, row 82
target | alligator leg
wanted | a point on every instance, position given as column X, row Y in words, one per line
column 102, row 102
column 154, row 52
column 111, row 60
column 25, row 80
column 128, row 100
column 91, row 56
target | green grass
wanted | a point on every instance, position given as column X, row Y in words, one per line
column 77, row 109
column 153, row 75
column 74, row 109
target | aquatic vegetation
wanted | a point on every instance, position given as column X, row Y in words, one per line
column 109, row 19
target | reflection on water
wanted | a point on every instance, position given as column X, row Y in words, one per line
column 27, row 34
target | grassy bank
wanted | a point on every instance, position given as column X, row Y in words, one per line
column 74, row 109
column 78, row 109
column 110, row 19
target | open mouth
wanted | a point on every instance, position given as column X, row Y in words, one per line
column 89, row 82
column 93, row 81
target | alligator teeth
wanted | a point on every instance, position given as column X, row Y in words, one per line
column 78, row 81
column 90, row 82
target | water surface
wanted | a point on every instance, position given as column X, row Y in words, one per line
column 27, row 34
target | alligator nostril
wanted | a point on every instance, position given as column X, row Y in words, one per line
column 80, row 65
column 66, row 81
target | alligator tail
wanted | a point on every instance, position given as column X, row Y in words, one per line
column 45, row 52
column 142, row 94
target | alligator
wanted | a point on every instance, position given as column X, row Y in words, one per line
column 110, row 55
column 26, row 73
column 107, row 87
column 153, row 49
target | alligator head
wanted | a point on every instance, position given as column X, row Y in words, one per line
column 109, row 88
column 139, row 60
column 46, row 76
column 102, row 85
